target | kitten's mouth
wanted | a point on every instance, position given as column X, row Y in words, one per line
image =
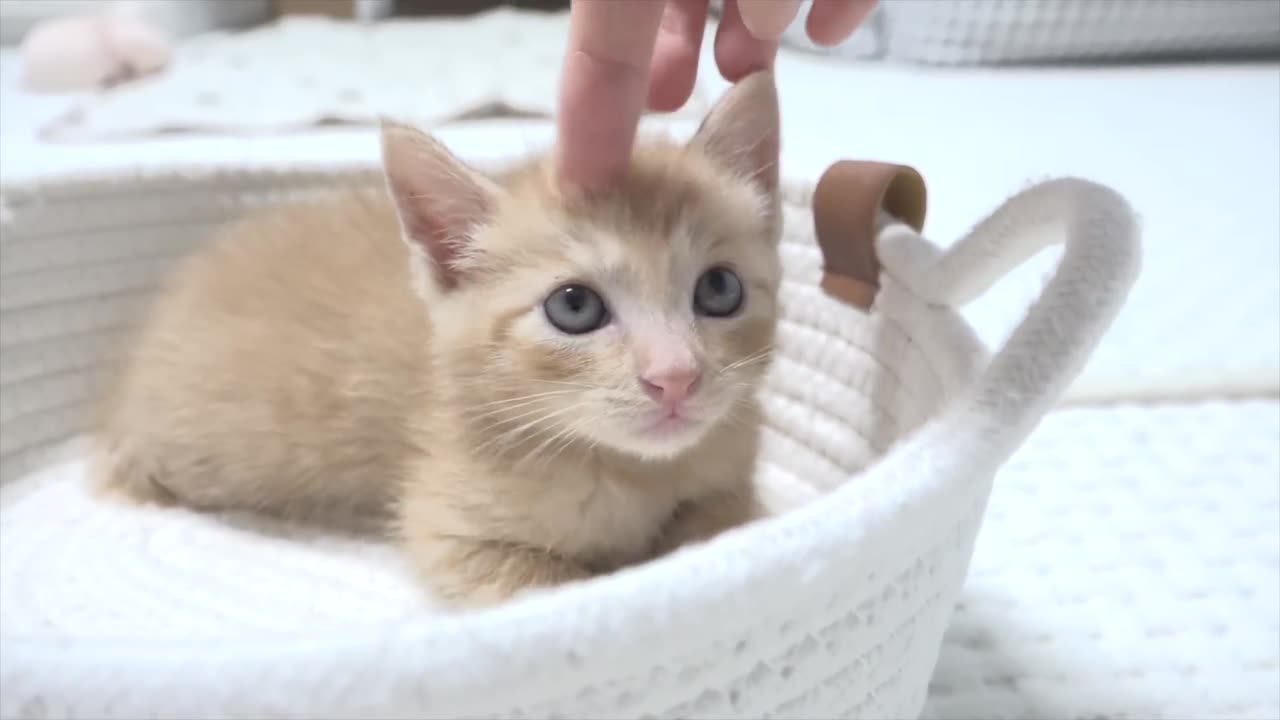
column 661, row 432
column 669, row 423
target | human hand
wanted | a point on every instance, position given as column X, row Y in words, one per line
column 626, row 54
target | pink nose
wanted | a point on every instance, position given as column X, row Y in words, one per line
column 671, row 387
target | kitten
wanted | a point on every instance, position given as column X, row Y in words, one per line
column 534, row 387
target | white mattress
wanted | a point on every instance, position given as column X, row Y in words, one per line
column 1132, row 548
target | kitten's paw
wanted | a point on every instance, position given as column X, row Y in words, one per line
column 472, row 573
column 117, row 475
column 701, row 520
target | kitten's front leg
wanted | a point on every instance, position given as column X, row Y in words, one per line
column 707, row 516
column 474, row 572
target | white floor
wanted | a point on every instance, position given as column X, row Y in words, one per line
column 1129, row 567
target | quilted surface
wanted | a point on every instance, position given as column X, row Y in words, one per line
column 1128, row 567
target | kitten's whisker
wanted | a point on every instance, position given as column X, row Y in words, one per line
column 568, row 436
column 607, row 393
column 534, row 396
column 582, row 386
column 508, row 435
column 507, row 413
column 503, row 405
column 567, row 433
column 503, row 434
column 507, row 439
column 760, row 356
column 508, row 420
column 563, row 437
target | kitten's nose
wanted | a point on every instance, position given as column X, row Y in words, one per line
column 672, row 386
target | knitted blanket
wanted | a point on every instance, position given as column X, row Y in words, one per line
column 306, row 71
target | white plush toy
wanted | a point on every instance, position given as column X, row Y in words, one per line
column 93, row 50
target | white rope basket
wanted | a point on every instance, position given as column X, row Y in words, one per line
column 834, row 609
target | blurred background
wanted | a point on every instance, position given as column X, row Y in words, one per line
column 1130, row 563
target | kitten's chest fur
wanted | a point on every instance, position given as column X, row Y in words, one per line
column 607, row 518
column 599, row 508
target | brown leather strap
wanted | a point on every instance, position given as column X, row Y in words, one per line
column 846, row 202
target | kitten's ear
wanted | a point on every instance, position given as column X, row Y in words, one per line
column 742, row 132
column 441, row 202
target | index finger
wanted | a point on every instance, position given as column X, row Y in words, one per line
column 603, row 87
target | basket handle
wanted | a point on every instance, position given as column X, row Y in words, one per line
column 1051, row 345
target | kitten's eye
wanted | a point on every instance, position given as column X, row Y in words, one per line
column 718, row 293
column 576, row 309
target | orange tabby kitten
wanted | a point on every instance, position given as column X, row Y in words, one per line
column 534, row 386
